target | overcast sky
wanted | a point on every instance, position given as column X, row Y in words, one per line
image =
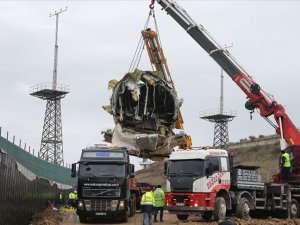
column 97, row 40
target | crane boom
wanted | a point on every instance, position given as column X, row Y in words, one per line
column 257, row 98
column 158, row 60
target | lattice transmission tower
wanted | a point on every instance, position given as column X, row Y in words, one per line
column 220, row 119
column 51, row 148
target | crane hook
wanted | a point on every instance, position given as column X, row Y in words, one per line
column 151, row 6
column 251, row 112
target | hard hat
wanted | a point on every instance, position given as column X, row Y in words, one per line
column 148, row 188
column 75, row 191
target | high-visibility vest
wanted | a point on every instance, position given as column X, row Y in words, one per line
column 148, row 199
column 159, row 197
column 72, row 195
column 287, row 161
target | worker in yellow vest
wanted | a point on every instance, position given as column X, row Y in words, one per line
column 147, row 205
column 285, row 164
column 72, row 198
column 61, row 198
column 159, row 198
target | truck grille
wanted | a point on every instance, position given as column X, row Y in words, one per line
column 101, row 192
column 100, row 205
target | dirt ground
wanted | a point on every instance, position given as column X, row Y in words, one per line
column 71, row 218
column 47, row 217
column 51, row 217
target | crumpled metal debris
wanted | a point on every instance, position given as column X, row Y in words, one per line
column 145, row 108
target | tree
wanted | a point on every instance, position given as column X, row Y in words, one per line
column 251, row 138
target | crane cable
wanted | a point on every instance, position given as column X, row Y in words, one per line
column 140, row 47
column 168, row 76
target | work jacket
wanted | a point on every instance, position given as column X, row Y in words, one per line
column 286, row 162
column 148, row 202
column 159, row 197
column 72, row 195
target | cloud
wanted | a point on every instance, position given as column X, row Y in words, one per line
column 97, row 40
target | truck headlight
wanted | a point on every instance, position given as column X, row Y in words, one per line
column 121, row 205
column 114, row 204
column 87, row 205
column 80, row 205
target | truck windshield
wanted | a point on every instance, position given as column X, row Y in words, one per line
column 186, row 167
column 102, row 170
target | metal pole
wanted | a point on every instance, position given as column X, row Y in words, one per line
column 56, row 48
column 222, row 85
column 55, row 56
column 222, row 95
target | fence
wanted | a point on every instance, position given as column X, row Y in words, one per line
column 41, row 168
column 27, row 182
column 20, row 197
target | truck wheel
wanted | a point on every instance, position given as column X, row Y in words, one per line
column 207, row 215
column 132, row 207
column 243, row 209
column 227, row 222
column 294, row 209
column 182, row 217
column 82, row 219
column 219, row 212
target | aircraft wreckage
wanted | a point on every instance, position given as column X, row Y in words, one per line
column 145, row 109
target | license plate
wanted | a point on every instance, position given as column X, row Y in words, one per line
column 100, row 213
column 179, row 204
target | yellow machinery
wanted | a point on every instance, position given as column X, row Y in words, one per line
column 159, row 61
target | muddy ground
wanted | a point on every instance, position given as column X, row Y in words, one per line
column 70, row 218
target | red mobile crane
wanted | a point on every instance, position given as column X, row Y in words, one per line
column 204, row 181
column 257, row 97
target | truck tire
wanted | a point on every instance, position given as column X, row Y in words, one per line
column 182, row 217
column 132, row 207
column 82, row 219
column 294, row 208
column 227, row 222
column 207, row 215
column 219, row 212
column 243, row 209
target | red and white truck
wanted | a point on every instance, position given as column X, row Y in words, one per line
column 203, row 181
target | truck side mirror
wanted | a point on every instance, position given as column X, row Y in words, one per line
column 208, row 169
column 207, row 172
column 73, row 170
column 131, row 170
column 165, row 168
